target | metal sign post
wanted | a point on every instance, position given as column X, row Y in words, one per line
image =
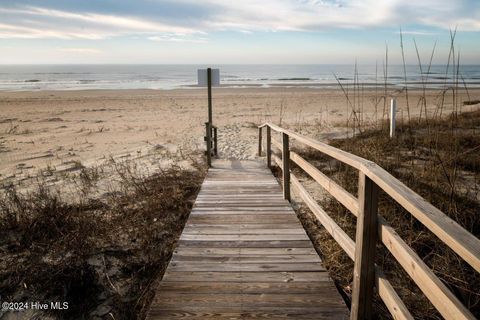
column 209, row 77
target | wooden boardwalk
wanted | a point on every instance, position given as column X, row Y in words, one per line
column 244, row 255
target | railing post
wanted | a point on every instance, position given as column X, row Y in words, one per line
column 286, row 167
column 259, row 141
column 215, row 141
column 365, row 242
column 393, row 112
column 208, row 140
column 269, row 147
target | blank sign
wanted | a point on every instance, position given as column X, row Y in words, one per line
column 203, row 77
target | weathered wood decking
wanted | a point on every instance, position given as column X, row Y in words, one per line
column 244, row 255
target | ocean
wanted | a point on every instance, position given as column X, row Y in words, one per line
column 84, row 77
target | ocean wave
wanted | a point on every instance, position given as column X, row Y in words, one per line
column 59, row 73
column 295, row 79
column 121, row 77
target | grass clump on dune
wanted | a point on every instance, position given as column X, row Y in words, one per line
column 101, row 254
column 437, row 159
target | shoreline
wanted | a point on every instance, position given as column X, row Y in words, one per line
column 314, row 86
column 195, row 88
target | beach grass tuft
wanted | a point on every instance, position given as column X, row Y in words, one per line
column 102, row 255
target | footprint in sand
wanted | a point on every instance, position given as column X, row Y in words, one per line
column 233, row 143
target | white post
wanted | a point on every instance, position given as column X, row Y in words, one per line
column 393, row 110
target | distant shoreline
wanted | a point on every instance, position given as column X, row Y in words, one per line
column 279, row 87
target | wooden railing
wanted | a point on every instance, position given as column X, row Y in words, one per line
column 372, row 227
column 211, row 141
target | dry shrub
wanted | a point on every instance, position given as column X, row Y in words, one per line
column 438, row 160
column 100, row 255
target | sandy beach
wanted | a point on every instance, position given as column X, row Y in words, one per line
column 63, row 131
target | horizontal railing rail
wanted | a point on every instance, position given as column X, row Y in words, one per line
column 372, row 227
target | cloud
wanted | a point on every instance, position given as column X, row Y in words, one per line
column 308, row 15
column 190, row 20
column 81, row 50
column 36, row 22
column 464, row 24
column 177, row 38
column 418, row 33
column 122, row 22
column 317, row 15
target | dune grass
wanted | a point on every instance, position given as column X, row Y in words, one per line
column 101, row 255
column 438, row 160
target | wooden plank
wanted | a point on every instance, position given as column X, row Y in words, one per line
column 226, row 229
column 246, row 267
column 269, row 147
column 257, row 196
column 239, row 228
column 465, row 244
column 338, row 154
column 239, row 211
column 247, row 287
column 330, row 225
column 208, row 141
column 242, row 259
column 243, row 237
column 233, row 183
column 366, row 238
column 246, row 209
column 259, row 142
column 393, row 302
column 277, row 161
column 450, row 232
column 258, row 218
column 265, row 202
column 443, row 299
column 236, row 181
column 243, row 192
column 239, row 252
column 391, row 299
column 265, row 276
column 244, row 254
column 286, row 167
column 248, row 244
column 215, row 141
column 342, row 195
column 263, row 313
column 254, row 301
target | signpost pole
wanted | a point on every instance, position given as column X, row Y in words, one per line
column 209, row 124
column 209, row 81
column 209, row 77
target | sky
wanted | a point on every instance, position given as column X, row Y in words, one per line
column 235, row 32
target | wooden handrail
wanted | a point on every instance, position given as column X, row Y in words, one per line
column 447, row 230
column 450, row 232
column 343, row 156
column 391, row 299
column 343, row 196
